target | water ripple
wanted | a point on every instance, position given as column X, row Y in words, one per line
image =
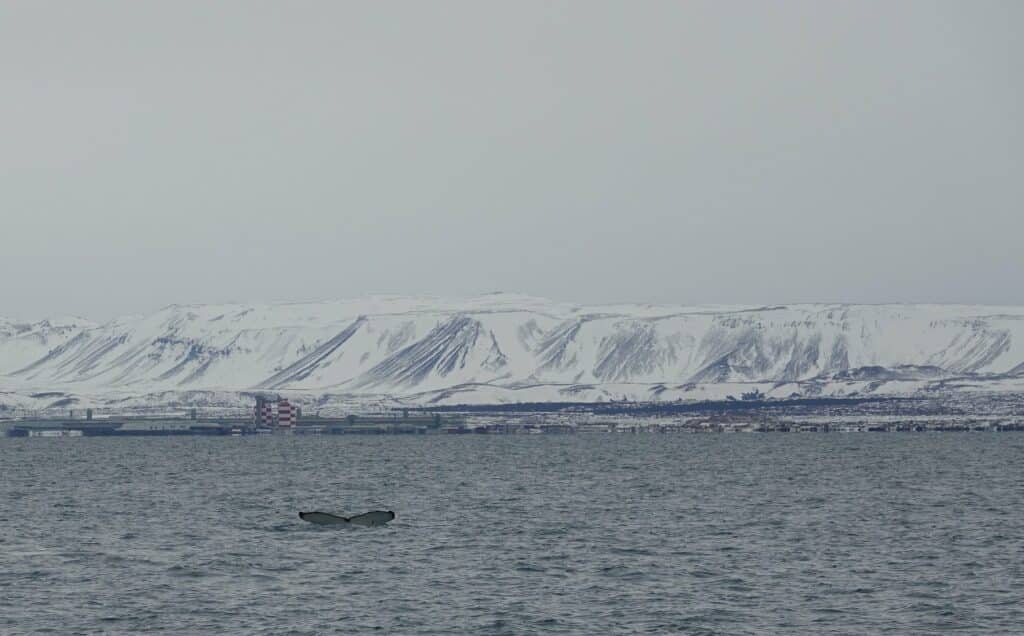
column 514, row 535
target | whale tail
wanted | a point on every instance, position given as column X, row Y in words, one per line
column 373, row 518
column 367, row 519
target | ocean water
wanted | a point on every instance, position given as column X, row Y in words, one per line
column 585, row 534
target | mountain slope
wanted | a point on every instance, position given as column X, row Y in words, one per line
column 408, row 346
column 22, row 343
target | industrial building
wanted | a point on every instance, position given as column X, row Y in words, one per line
column 264, row 416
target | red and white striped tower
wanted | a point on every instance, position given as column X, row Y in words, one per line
column 260, row 412
column 285, row 414
column 267, row 415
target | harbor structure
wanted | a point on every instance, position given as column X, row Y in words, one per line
column 263, row 415
column 286, row 415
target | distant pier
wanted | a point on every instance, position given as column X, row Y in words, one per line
column 227, row 426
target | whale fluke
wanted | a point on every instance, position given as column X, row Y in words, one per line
column 322, row 518
column 368, row 519
column 372, row 518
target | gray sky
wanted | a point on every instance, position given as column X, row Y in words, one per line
column 173, row 152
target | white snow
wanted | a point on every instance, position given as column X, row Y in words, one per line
column 508, row 347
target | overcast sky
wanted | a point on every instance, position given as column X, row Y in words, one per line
column 686, row 152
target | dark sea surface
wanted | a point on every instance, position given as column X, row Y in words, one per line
column 577, row 534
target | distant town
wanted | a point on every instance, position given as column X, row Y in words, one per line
column 275, row 415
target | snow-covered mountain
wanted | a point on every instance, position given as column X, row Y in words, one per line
column 510, row 346
column 22, row 343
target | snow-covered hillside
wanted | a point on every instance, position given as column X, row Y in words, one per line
column 508, row 347
column 22, row 343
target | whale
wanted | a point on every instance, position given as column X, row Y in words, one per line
column 367, row 519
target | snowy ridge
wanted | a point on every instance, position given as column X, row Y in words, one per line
column 508, row 347
column 22, row 343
